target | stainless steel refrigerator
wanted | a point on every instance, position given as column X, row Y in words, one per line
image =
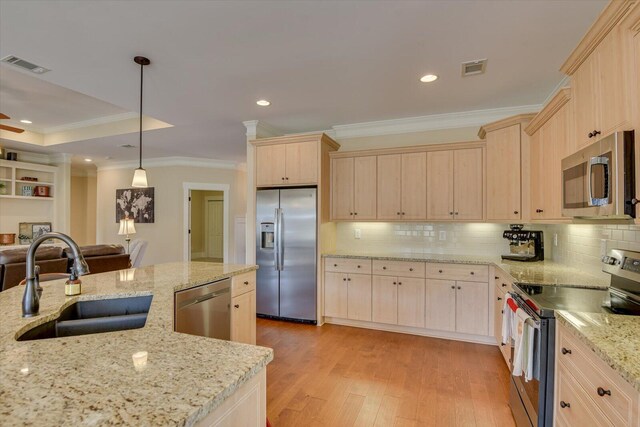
column 286, row 253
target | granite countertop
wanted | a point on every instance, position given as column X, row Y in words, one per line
column 538, row 273
column 91, row 379
column 613, row 337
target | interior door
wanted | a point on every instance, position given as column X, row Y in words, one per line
column 414, row 186
column 468, row 184
column 389, row 186
column 342, row 188
column 440, row 185
column 364, row 181
column 215, row 229
column 298, row 291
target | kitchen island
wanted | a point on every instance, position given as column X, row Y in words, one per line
column 92, row 380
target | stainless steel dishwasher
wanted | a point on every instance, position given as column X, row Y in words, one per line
column 204, row 310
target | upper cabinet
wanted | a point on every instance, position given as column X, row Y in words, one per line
column 601, row 77
column 353, row 188
column 402, row 186
column 455, row 185
column 506, row 189
column 291, row 160
column 551, row 141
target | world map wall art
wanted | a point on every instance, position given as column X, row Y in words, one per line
column 135, row 203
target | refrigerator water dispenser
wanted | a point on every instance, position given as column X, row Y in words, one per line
column 266, row 233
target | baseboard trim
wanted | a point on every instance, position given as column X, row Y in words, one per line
column 455, row 336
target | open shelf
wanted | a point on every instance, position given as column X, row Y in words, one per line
column 34, row 182
column 9, row 196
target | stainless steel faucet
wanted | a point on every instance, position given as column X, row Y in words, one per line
column 32, row 290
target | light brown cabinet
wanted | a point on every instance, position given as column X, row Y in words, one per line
column 287, row 164
column 398, row 301
column 441, row 305
column 401, row 185
column 455, row 185
column 353, row 188
column 335, row 295
column 243, row 308
column 384, row 299
column 460, row 306
column 601, row 95
column 359, row 297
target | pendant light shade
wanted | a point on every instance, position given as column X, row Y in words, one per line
column 140, row 175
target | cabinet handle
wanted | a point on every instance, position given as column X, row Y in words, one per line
column 566, row 351
column 411, row 269
column 335, row 265
column 499, row 299
column 451, row 213
column 344, row 279
column 564, row 404
column 473, row 273
column 350, row 213
column 504, row 285
column 516, row 212
column 283, row 178
column 384, row 268
column 348, row 279
column 399, row 283
column 394, row 283
column 459, row 287
column 287, row 178
column 455, row 213
column 246, row 283
column 355, row 213
column 453, row 287
column 402, row 213
column 539, row 210
column 237, row 306
column 602, row 392
column 358, row 266
column 496, row 277
column 439, row 271
column 397, row 213
column 594, row 133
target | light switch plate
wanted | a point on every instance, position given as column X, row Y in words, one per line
column 442, row 235
column 357, row 233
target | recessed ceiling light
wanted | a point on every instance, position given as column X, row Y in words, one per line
column 88, row 160
column 25, row 121
column 428, row 78
column 263, row 103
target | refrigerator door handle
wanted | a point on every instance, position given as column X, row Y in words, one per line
column 276, row 241
column 279, row 232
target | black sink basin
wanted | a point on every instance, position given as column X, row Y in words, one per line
column 93, row 317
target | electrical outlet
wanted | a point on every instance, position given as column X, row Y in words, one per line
column 442, row 235
column 555, row 239
column 357, row 233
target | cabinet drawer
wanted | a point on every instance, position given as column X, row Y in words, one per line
column 503, row 280
column 593, row 375
column 243, row 283
column 347, row 265
column 398, row 268
column 573, row 406
column 467, row 272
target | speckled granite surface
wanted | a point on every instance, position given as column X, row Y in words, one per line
column 540, row 273
column 91, row 379
column 613, row 337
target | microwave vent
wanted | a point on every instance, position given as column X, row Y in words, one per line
column 25, row 65
column 472, row 68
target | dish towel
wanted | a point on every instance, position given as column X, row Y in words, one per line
column 507, row 320
column 529, row 349
column 521, row 348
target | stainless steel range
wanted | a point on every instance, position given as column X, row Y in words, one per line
column 532, row 402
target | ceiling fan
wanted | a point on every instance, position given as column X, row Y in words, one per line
column 9, row 128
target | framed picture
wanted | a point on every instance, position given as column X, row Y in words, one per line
column 32, row 230
column 135, row 203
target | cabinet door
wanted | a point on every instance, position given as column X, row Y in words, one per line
column 440, row 305
column 359, row 297
column 389, row 186
column 335, row 295
column 468, row 184
column 440, row 185
column 270, row 165
column 503, row 174
column 364, row 197
column 342, row 188
column 554, row 139
column 243, row 318
column 584, row 83
column 302, row 163
column 536, row 143
column 411, row 300
column 384, row 299
column 472, row 308
column 414, row 186
column 613, row 70
column 497, row 313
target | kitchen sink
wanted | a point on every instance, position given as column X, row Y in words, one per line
column 94, row 317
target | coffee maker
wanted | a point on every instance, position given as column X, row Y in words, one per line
column 524, row 245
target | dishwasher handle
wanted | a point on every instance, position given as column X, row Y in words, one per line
column 203, row 298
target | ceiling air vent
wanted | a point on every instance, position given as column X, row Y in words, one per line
column 472, row 68
column 25, row 65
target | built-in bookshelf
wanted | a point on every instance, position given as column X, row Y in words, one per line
column 20, row 180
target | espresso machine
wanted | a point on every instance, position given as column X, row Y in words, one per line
column 524, row 245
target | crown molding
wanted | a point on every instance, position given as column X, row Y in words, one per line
column 432, row 122
column 550, row 109
column 506, row 122
column 170, row 161
column 606, row 21
column 259, row 129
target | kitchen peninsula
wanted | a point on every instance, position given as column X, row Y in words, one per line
column 147, row 376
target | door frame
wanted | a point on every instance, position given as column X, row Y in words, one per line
column 207, row 212
column 187, row 187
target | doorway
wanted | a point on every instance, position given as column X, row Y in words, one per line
column 206, row 223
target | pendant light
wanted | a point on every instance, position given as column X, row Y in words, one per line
column 140, row 175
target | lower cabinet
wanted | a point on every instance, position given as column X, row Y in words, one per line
column 499, row 296
column 243, row 308
column 398, row 301
column 347, row 296
column 454, row 305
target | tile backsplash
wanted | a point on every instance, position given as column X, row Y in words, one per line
column 578, row 245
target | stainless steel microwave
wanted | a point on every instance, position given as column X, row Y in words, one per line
column 599, row 180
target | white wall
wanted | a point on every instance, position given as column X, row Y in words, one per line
column 165, row 236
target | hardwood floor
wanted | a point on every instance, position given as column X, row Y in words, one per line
column 341, row 376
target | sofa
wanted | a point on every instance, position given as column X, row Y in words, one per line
column 13, row 264
column 101, row 258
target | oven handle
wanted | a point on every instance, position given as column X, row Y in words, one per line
column 593, row 201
